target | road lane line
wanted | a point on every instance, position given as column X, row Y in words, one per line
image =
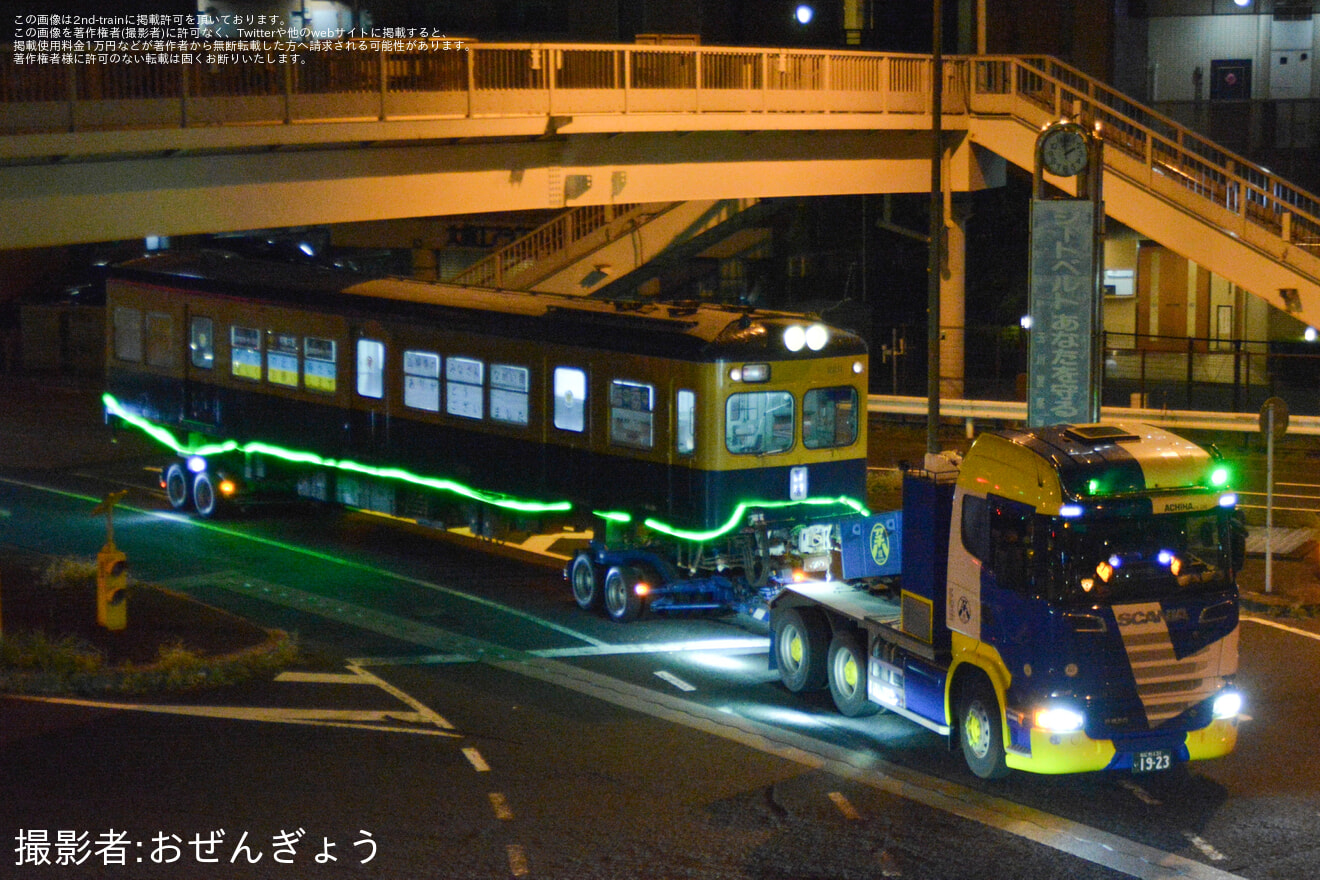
column 1209, row 851
column 1082, row 841
column 474, row 758
column 1250, row 618
column 424, row 711
column 324, row 678
column 675, row 681
column 500, row 805
column 845, row 806
column 517, row 860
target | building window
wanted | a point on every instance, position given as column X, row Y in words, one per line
column 201, row 343
column 370, row 368
column 421, row 380
column 282, row 360
column 829, row 417
column 632, row 406
column 463, row 384
column 128, row 334
column 570, row 399
column 759, row 422
column 319, row 366
column 685, row 432
column 509, row 387
column 245, row 352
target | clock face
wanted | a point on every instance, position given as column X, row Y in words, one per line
column 1064, row 152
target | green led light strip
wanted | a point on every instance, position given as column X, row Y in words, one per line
column 165, row 437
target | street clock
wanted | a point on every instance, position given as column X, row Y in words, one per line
column 1064, row 151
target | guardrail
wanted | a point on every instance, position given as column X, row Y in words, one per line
column 972, row 411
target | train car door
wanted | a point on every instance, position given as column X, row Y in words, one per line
column 684, row 487
column 569, row 467
column 201, row 401
column 369, row 414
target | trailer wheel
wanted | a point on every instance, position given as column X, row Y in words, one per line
column 847, row 676
column 176, row 486
column 205, row 499
column 981, row 730
column 801, row 640
column 622, row 603
column 584, row 578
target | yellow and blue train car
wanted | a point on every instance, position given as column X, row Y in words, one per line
column 676, row 423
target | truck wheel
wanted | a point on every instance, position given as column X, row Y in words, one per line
column 981, row 730
column 621, row 600
column 847, row 676
column 204, row 495
column 176, row 486
column 584, row 578
column 801, row 640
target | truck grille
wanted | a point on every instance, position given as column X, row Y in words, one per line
column 1167, row 685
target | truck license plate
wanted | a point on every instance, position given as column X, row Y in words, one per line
column 1150, row 762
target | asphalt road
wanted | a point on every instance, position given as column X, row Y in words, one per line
column 473, row 722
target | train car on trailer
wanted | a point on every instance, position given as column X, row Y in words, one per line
column 707, row 445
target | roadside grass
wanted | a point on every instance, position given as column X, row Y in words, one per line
column 50, row 643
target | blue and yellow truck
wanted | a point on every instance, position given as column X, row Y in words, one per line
column 1062, row 599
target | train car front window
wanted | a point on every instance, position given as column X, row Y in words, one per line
column 201, row 343
column 829, row 417
column 759, row 422
column 371, row 368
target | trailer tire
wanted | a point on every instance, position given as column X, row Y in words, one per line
column 622, row 603
column 584, row 577
column 205, row 498
column 801, row 643
column 981, row 729
column 848, row 676
column 176, row 486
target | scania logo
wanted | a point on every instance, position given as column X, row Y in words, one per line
column 1136, row 618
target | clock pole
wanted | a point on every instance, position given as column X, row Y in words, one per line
column 1065, row 351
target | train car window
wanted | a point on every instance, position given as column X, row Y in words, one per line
column 632, row 414
column 463, row 387
column 370, row 368
column 160, row 340
column 421, row 380
column 282, row 365
column 570, row 399
column 685, row 436
column 509, row 387
column 758, row 422
column 829, row 417
column 319, row 366
column 245, row 352
column 201, row 343
column 128, row 334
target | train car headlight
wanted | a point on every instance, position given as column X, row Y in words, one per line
column 817, row 335
column 795, row 337
column 1059, row 719
column 1228, row 704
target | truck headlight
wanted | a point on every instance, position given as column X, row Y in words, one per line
column 1228, row 704
column 1059, row 719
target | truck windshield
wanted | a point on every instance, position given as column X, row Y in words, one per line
column 1123, row 560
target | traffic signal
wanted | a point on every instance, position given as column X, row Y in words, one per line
column 112, row 589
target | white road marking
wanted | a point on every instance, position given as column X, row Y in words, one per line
column 362, row 719
column 1140, row 793
column 500, row 805
column 1206, row 849
column 845, row 807
column 426, row 712
column 474, row 758
column 324, row 677
column 1290, row 629
column 750, row 645
column 517, row 860
column 675, row 681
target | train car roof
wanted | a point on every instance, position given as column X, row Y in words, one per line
column 683, row 330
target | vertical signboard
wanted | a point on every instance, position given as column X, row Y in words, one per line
column 1060, row 380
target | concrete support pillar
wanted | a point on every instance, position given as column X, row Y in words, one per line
column 953, row 299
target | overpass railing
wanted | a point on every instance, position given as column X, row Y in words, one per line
column 376, row 80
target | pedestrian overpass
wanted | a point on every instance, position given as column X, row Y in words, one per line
column 381, row 131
